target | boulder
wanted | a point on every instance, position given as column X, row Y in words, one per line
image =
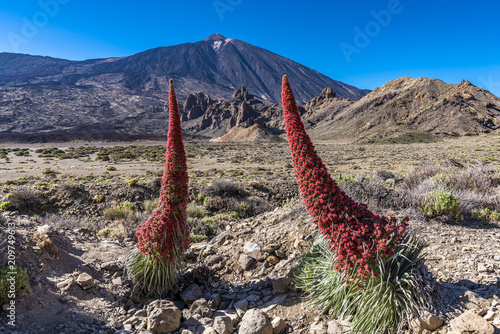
column 256, row 322
column 282, row 284
column 253, row 250
column 241, row 307
column 44, row 229
column 246, row 261
column 223, row 325
column 191, row 293
column 85, row 281
column 471, row 323
column 279, row 325
column 201, row 307
column 334, row 328
column 428, row 322
column 163, row 317
column 229, row 313
column 112, row 266
column 317, row 327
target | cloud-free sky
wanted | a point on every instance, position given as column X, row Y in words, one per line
column 363, row 43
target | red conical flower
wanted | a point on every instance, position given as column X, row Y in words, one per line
column 354, row 233
column 165, row 235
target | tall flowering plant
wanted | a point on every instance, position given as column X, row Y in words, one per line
column 164, row 237
column 354, row 234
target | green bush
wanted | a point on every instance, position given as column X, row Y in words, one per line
column 234, row 215
column 133, row 182
column 195, row 238
column 195, row 211
column 20, row 283
column 105, row 232
column 486, row 215
column 495, row 215
column 442, row 204
column 5, row 206
column 50, row 172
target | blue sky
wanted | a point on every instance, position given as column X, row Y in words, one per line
column 363, row 43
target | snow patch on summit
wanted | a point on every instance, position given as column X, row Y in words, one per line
column 217, row 45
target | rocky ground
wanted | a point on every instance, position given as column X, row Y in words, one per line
column 253, row 230
column 237, row 281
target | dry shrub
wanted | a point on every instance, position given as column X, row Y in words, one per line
column 119, row 212
column 69, row 190
column 474, row 177
column 195, row 211
column 26, row 200
column 43, row 241
column 473, row 186
column 151, row 205
column 384, row 174
column 223, row 187
column 219, row 204
column 422, row 173
column 60, row 221
column 155, row 185
column 125, row 220
column 254, row 206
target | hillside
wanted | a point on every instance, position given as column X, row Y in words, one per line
column 215, row 65
column 407, row 109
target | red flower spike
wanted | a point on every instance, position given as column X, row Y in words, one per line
column 354, row 233
column 165, row 234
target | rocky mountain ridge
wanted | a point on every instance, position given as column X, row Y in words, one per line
column 403, row 108
column 214, row 65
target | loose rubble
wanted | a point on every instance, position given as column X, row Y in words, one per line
column 84, row 289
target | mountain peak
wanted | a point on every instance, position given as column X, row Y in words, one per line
column 215, row 37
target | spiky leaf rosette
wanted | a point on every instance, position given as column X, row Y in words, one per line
column 382, row 304
column 354, row 233
column 164, row 237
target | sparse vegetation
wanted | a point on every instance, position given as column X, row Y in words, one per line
column 98, row 198
column 196, row 238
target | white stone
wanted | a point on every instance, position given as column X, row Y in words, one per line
column 85, row 281
column 279, row 325
column 253, row 250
